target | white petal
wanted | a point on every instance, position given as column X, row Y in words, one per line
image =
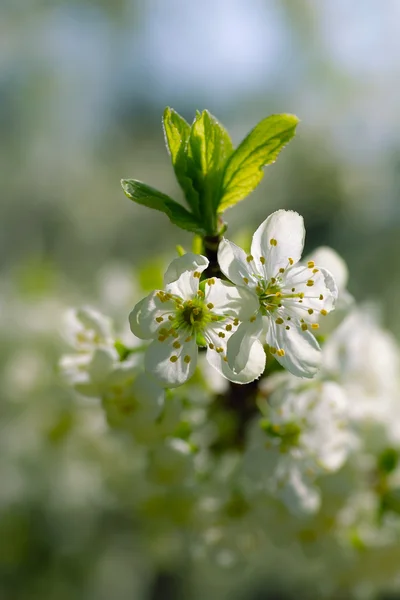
column 299, row 494
column 241, row 342
column 302, row 352
column 171, row 373
column 253, row 369
column 188, row 262
column 180, row 278
column 149, row 394
column 230, row 300
column 286, row 230
column 233, row 263
column 143, row 317
column 329, row 259
column 321, row 295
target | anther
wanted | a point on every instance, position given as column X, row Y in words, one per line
column 311, row 264
column 210, row 305
column 211, row 281
column 281, row 352
column 211, row 346
column 236, row 321
column 324, row 312
column 287, row 327
column 281, row 270
column 245, row 280
column 315, row 270
column 161, row 338
column 187, row 359
column 293, row 289
column 279, row 321
column 228, row 327
column 170, row 318
column 159, row 319
column 188, row 339
column 262, row 260
column 173, row 359
column 221, row 334
column 249, row 258
column 252, row 319
column 176, row 345
column 197, row 274
column 304, row 326
column 310, row 311
column 200, row 293
column 273, row 242
column 314, row 325
column 273, row 280
column 291, row 261
column 310, row 283
column 219, row 349
column 321, row 297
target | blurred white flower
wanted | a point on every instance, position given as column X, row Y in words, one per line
column 304, row 434
column 289, row 299
column 86, row 328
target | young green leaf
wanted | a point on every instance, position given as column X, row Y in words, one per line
column 176, row 132
column 147, row 196
column 244, row 169
column 209, row 149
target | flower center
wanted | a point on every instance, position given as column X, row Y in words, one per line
column 193, row 315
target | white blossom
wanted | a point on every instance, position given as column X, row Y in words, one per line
column 289, row 298
column 188, row 314
column 304, row 434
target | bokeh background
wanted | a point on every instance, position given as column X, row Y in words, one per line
column 83, row 84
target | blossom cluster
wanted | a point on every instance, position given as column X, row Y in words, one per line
column 269, row 299
column 310, row 465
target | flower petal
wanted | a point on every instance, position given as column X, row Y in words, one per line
column 252, row 370
column 230, row 300
column 302, row 354
column 149, row 394
column 188, row 262
column 172, row 366
column 327, row 258
column 241, row 342
column 234, row 264
column 279, row 238
column 317, row 286
column 182, row 276
column 143, row 318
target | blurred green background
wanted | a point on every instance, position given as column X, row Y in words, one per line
column 83, row 84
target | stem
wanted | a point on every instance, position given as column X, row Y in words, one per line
column 211, row 243
column 239, row 399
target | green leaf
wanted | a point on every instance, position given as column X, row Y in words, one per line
column 147, row 196
column 244, row 169
column 388, row 460
column 209, row 149
column 177, row 131
column 210, row 144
